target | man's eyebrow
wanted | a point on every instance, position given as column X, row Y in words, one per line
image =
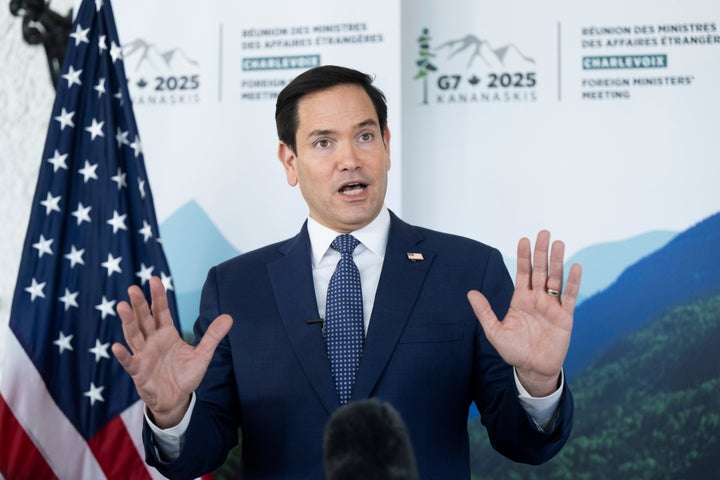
column 367, row 123
column 322, row 132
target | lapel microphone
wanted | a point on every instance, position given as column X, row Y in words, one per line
column 321, row 321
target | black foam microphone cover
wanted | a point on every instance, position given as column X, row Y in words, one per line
column 367, row 439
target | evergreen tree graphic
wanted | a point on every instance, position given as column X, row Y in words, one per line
column 424, row 64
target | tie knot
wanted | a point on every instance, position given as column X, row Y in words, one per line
column 344, row 243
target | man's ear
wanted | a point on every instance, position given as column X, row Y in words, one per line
column 386, row 141
column 288, row 159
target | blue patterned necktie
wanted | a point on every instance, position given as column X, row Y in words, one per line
column 344, row 329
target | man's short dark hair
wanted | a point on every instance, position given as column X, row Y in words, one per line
column 315, row 80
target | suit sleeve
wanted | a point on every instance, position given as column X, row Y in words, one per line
column 511, row 430
column 212, row 431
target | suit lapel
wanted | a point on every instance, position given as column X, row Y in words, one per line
column 292, row 282
column 400, row 282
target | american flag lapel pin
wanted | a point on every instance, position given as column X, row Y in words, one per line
column 415, row 257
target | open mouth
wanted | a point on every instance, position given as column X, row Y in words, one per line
column 352, row 189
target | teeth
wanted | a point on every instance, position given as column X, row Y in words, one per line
column 352, row 189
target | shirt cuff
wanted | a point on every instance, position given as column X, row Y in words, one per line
column 169, row 441
column 542, row 410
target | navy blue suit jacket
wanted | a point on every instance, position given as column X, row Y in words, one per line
column 425, row 353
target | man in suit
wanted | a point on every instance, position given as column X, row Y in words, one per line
column 431, row 345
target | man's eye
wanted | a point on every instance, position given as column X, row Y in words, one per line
column 366, row 137
column 322, row 143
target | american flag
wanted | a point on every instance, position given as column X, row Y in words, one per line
column 67, row 408
column 415, row 257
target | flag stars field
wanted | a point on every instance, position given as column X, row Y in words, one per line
column 95, row 129
column 63, row 342
column 51, row 203
column 100, row 350
column 166, row 281
column 121, row 137
column 75, row 256
column 146, row 231
column 106, row 307
column 102, row 44
column 65, row 119
column 36, row 290
column 115, row 52
column 117, row 221
column 100, row 87
column 58, row 161
column 88, row 171
column 120, row 178
column 136, row 146
column 82, row 213
column 144, row 273
column 80, row 35
column 95, row 393
column 70, row 299
column 72, row 77
column 43, row 246
column 112, row 264
column 141, row 186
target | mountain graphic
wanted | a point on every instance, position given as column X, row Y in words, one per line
column 476, row 48
column 604, row 262
column 650, row 392
column 192, row 244
column 140, row 55
column 683, row 270
column 602, row 265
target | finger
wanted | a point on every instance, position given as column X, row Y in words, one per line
column 540, row 261
column 123, row 356
column 213, row 335
column 484, row 313
column 555, row 275
column 131, row 331
column 524, row 266
column 141, row 310
column 160, row 308
column 572, row 288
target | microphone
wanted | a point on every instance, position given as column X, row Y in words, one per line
column 367, row 439
column 321, row 321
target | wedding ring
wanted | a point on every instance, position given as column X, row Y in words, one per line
column 551, row 292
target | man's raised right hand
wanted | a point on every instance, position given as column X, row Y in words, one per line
column 165, row 369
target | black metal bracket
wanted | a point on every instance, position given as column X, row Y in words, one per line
column 41, row 25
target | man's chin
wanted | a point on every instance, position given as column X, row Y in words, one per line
column 356, row 217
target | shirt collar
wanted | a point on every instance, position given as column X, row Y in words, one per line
column 372, row 236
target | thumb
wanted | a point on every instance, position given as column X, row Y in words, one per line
column 123, row 356
column 214, row 334
column 484, row 313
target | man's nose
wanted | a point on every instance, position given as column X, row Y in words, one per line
column 348, row 157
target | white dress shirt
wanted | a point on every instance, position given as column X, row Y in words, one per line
column 368, row 256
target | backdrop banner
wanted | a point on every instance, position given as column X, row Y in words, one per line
column 593, row 120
